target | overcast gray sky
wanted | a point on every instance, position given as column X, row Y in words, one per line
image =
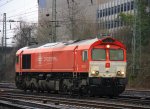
column 26, row 10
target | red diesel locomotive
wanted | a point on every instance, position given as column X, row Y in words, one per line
column 93, row 66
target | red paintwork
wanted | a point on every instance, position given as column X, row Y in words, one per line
column 63, row 58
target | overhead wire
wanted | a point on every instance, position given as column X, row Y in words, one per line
column 22, row 14
column 18, row 14
column 5, row 3
column 22, row 10
column 26, row 13
column 39, row 31
column 11, row 31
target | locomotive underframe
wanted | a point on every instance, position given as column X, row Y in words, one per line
column 70, row 83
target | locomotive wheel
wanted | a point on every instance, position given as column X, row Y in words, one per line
column 32, row 87
column 56, row 92
column 25, row 90
column 49, row 91
column 24, row 86
column 17, row 81
column 113, row 95
column 31, row 90
column 64, row 89
column 90, row 93
column 82, row 90
column 42, row 91
column 38, row 90
column 71, row 91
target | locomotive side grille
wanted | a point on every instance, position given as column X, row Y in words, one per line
column 26, row 61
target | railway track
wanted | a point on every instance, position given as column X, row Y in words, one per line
column 136, row 93
column 13, row 103
column 40, row 100
column 89, row 103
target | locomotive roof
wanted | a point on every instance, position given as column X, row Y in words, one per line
column 57, row 44
column 68, row 43
column 82, row 44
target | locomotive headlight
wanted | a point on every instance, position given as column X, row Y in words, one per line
column 95, row 73
column 120, row 73
column 107, row 46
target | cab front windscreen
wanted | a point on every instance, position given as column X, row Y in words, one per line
column 116, row 55
column 98, row 54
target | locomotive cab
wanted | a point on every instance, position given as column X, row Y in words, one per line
column 107, row 67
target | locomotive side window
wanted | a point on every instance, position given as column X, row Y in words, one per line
column 26, row 61
column 116, row 54
column 17, row 59
column 85, row 55
column 98, row 54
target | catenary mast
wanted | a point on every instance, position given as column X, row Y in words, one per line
column 136, row 41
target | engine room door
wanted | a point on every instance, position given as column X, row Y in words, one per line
column 20, row 61
column 76, row 59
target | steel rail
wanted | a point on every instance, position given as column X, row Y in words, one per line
column 79, row 102
column 129, row 97
column 125, row 99
column 25, row 104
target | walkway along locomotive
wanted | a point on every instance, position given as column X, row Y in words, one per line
column 93, row 66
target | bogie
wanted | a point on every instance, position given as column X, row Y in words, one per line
column 70, row 86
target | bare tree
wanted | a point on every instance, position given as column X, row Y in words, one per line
column 23, row 37
column 44, row 31
column 23, row 34
column 77, row 23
